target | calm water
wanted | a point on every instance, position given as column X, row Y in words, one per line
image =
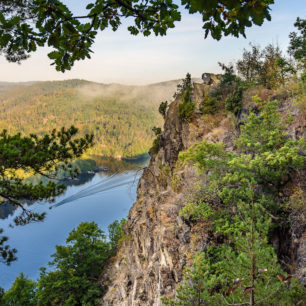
column 102, row 197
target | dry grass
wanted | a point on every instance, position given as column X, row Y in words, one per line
column 263, row 93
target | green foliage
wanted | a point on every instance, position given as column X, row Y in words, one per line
column 44, row 155
column 121, row 121
column 186, row 106
column 156, row 130
column 22, row 292
column 244, row 268
column 7, row 254
column 28, row 24
column 303, row 76
column 228, row 83
column 155, row 146
column 72, row 277
column 228, row 76
column 116, row 234
column 156, row 142
column 249, row 67
column 208, row 105
column 229, row 17
column 267, row 67
column 176, row 182
column 285, row 68
column 233, row 101
column 197, row 211
column 163, row 108
column 230, row 90
column 186, row 110
column 212, row 280
column 1, row 293
column 297, row 47
column 76, row 266
column 37, row 155
column 271, row 74
column 164, row 175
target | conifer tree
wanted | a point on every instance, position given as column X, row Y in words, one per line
column 297, row 47
column 32, row 155
column 22, row 292
column 244, row 188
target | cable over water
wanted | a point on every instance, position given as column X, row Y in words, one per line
column 114, row 181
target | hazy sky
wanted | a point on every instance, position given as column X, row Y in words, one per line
column 122, row 58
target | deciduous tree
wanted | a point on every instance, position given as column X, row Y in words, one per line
column 26, row 25
column 77, row 265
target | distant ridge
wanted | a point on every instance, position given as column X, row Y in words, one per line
column 10, row 85
column 120, row 116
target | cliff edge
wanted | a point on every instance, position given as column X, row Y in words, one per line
column 158, row 242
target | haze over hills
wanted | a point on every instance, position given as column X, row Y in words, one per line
column 120, row 116
column 5, row 86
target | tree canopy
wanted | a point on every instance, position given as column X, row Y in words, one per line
column 241, row 203
column 120, row 117
column 72, row 277
column 297, row 47
column 28, row 24
column 32, row 154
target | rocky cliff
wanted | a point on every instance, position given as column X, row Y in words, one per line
column 158, row 242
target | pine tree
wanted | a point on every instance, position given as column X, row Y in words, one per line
column 32, row 155
column 246, row 184
column 22, row 292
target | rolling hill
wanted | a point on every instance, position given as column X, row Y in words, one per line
column 121, row 117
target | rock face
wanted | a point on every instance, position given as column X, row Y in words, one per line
column 158, row 243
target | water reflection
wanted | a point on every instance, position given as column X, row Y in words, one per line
column 101, row 197
column 106, row 184
column 113, row 167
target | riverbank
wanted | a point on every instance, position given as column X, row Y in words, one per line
column 101, row 197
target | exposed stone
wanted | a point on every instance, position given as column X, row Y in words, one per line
column 159, row 243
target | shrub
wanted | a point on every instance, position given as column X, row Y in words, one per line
column 155, row 146
column 208, row 105
column 243, row 268
column 163, row 108
column 186, row 107
column 186, row 110
column 228, row 77
column 176, row 182
column 75, row 269
column 303, row 76
column 230, row 90
column 233, row 102
column 116, row 234
column 156, row 130
column 22, row 292
column 156, row 142
column 74, row 278
column 250, row 65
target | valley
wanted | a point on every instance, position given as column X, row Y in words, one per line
column 121, row 117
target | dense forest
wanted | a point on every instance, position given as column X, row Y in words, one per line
column 220, row 212
column 121, row 117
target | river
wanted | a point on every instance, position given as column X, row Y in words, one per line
column 102, row 197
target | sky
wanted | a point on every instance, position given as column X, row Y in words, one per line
column 122, row 58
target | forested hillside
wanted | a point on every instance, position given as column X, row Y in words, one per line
column 121, row 117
